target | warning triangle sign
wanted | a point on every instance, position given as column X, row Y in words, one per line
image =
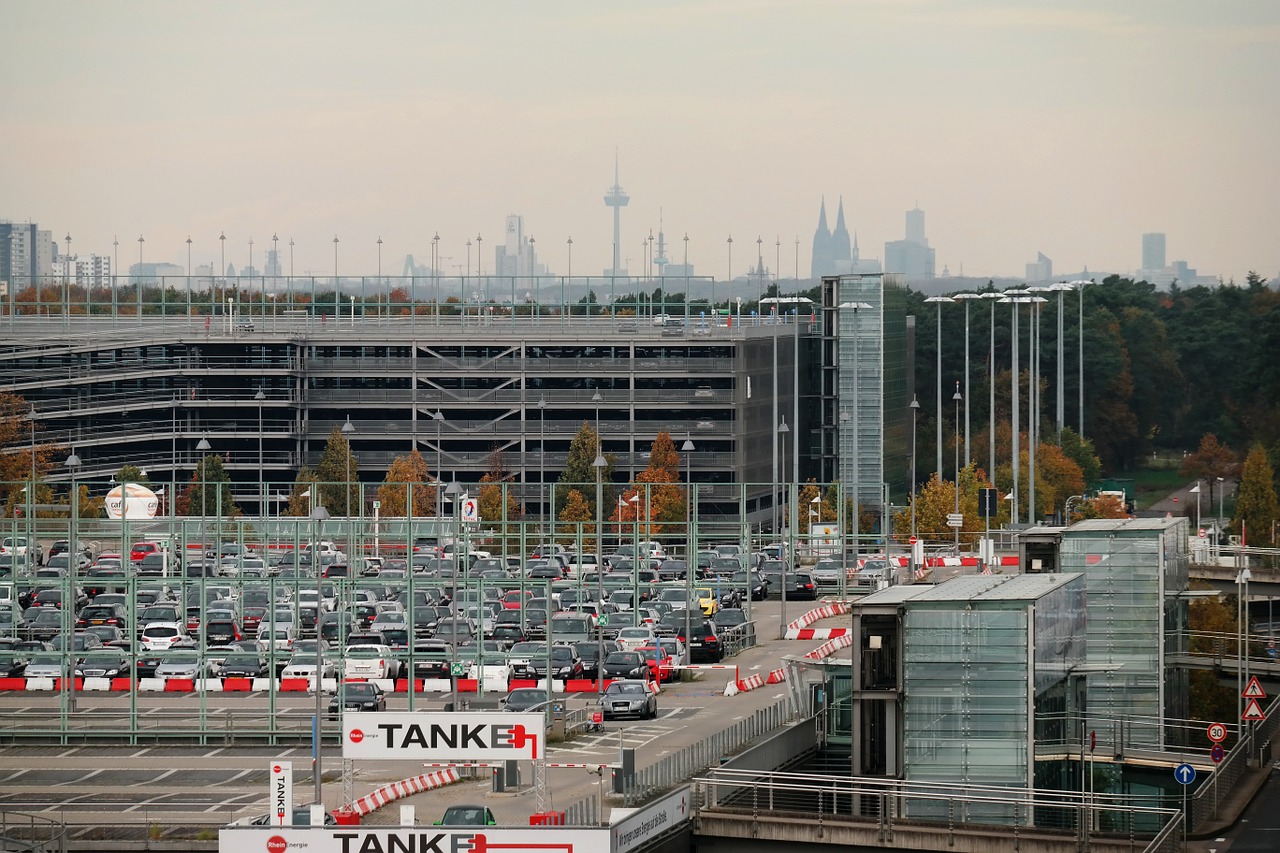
column 1254, row 690
column 1252, row 712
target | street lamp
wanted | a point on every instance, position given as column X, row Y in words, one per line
column 993, row 298
column 317, row 515
column 783, row 429
column 915, row 409
column 66, row 283
column 599, row 464
column 966, row 298
column 957, row 398
column 1014, row 298
column 781, row 473
column 939, row 301
column 348, row 429
column 73, row 465
column 454, row 491
column 542, row 449
column 1060, row 288
column 1217, row 523
column 258, row 398
column 438, row 417
column 1079, row 285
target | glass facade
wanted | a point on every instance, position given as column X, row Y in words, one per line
column 981, row 654
column 1133, row 569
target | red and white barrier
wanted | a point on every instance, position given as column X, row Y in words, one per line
column 832, row 608
column 380, row 797
column 830, row 647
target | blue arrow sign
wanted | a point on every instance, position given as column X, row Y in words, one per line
column 1184, row 773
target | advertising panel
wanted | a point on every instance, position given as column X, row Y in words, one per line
column 141, row 503
column 650, row 822
column 357, row 839
column 481, row 736
column 281, row 793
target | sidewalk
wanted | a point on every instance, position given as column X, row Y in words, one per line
column 1233, row 806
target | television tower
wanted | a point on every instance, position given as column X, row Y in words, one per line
column 617, row 199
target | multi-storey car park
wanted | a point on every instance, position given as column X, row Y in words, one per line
column 265, row 384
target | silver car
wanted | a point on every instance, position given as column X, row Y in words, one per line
column 45, row 666
column 183, row 663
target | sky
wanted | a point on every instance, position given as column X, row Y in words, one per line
column 1068, row 128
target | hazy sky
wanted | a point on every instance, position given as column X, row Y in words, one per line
column 1064, row 127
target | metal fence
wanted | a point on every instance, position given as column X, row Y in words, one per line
column 888, row 803
column 680, row 766
column 1251, row 748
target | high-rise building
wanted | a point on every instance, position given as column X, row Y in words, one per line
column 516, row 255
column 1153, row 251
column 911, row 256
column 1041, row 269
column 21, row 254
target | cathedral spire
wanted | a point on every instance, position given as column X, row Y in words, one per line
column 840, row 238
column 822, row 262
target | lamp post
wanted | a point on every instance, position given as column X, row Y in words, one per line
column 454, row 491
column 993, row 298
column 141, row 240
column 262, row 497
column 957, row 399
column 1033, row 398
column 1195, row 490
column 542, row 449
column 966, row 298
column 222, row 255
column 347, row 430
column 915, row 409
column 203, row 447
column 728, row 281
column 939, row 301
column 1242, row 638
column 599, row 464
column 1079, row 284
column 66, row 284
column 438, row 417
column 317, row 515
column 1014, row 298
column 73, row 551
column 1217, row 523
column 783, row 429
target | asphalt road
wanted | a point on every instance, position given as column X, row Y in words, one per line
column 213, row 786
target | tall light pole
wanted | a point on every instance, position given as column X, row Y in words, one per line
column 1079, row 284
column 542, row 450
column 1060, row 288
column 939, row 301
column 203, row 447
column 993, row 298
column 291, row 244
column 568, row 279
column 966, row 298
column 188, row 275
column 73, row 465
column 258, row 398
column 1014, row 298
column 337, row 291
column 599, row 464
column 141, row 240
column 915, row 409
column 454, row 491
column 957, row 398
column 317, row 515
column 222, row 255
column 66, row 283
column 438, row 417
column 783, row 429
column 728, row 281
column 348, row 429
column 691, row 558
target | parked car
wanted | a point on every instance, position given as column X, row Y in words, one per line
column 565, row 663
column 371, row 661
column 159, row 636
column 357, row 696
column 103, row 663
column 659, row 662
column 180, row 663
column 524, row 699
column 628, row 664
column 246, row 665
column 629, row 698
column 467, row 815
column 702, row 642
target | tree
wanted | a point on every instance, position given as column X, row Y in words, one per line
column 937, row 499
column 209, row 493
column 133, row 474
column 1256, row 506
column 659, row 498
column 1080, row 450
column 576, row 511
column 301, row 496
column 490, row 500
column 1101, row 506
column 1213, row 631
column 1211, row 462
column 580, row 474
column 20, row 454
column 408, row 474
column 337, row 466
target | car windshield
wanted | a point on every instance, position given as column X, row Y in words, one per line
column 625, row 687
column 181, row 657
column 242, row 660
column 364, row 652
column 630, row 658
column 357, row 690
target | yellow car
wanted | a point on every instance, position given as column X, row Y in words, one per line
column 707, row 600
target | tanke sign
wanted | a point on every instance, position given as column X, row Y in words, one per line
column 443, row 737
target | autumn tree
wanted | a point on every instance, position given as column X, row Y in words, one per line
column 1211, row 461
column 1213, row 632
column 20, row 453
column 301, row 496
column 337, row 474
column 209, row 492
column 1099, row 506
column 407, row 479
column 575, row 513
column 1256, row 504
column 580, row 474
column 491, row 505
column 937, row 499
column 656, row 498
column 1081, row 451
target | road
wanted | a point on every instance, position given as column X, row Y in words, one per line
column 213, row 786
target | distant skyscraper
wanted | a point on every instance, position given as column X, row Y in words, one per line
column 1153, row 251
column 820, row 261
column 617, row 199
column 1040, row 270
column 516, row 256
column 911, row 257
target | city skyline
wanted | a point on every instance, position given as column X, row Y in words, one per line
column 1067, row 129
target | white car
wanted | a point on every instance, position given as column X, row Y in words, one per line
column 279, row 637
column 303, row 665
column 160, row 636
column 17, row 546
column 368, row 660
column 631, row 639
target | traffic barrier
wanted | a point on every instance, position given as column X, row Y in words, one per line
column 13, row 684
column 295, row 685
column 833, row 608
column 776, row 676
column 815, row 633
column 237, row 685
column 44, row 684
column 829, row 647
column 151, row 684
column 121, row 684
column 380, row 797
column 96, row 683
column 179, row 685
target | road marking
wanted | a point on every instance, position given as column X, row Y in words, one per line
column 154, row 780
column 140, row 753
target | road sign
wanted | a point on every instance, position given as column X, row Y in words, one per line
column 1254, row 690
column 377, row 504
column 1217, row 732
column 1201, row 532
column 911, row 541
column 1184, row 773
column 1252, row 712
column 955, row 519
column 458, row 670
column 1217, row 753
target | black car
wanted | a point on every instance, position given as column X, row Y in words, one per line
column 729, row 617
column 357, row 696
column 751, row 582
column 103, row 614
column 246, row 665
column 431, row 659
column 565, row 663
column 626, row 665
column 702, row 642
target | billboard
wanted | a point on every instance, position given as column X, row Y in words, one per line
column 652, row 821
column 141, row 503
column 411, row 839
column 481, row 736
column 281, row 793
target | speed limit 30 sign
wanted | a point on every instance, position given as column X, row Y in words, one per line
column 1217, row 732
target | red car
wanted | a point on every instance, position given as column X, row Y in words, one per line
column 141, row 549
column 515, row 599
column 659, row 663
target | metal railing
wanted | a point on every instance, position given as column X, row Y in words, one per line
column 23, row 832
column 1250, row 748
column 683, row 765
column 889, row 804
